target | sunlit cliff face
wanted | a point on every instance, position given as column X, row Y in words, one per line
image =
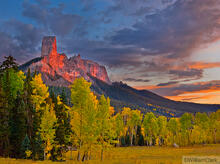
column 50, row 55
column 57, row 68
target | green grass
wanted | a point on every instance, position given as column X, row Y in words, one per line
column 138, row 155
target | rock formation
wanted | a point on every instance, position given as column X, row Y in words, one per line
column 59, row 70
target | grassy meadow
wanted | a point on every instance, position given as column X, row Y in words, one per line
column 138, row 155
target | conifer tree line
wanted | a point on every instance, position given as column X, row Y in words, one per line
column 36, row 124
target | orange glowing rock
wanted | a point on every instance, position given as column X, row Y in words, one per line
column 57, row 69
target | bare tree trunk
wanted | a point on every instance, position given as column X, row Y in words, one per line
column 215, row 136
column 118, row 144
column 78, row 156
column 150, row 141
column 85, row 156
column 135, row 137
column 90, row 155
column 132, row 131
column 44, row 155
column 71, row 154
column 102, row 152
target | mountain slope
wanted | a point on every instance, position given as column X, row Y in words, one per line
column 142, row 98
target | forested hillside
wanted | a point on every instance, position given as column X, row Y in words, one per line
column 122, row 95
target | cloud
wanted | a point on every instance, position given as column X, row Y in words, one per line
column 187, row 73
column 168, row 83
column 202, row 87
column 203, row 65
column 177, row 29
column 209, row 98
column 23, row 40
column 23, row 44
column 52, row 18
column 198, row 92
column 197, row 87
column 135, row 80
column 168, row 36
column 136, row 7
column 43, row 2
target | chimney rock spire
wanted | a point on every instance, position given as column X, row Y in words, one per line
column 49, row 46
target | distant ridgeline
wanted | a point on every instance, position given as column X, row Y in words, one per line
column 58, row 72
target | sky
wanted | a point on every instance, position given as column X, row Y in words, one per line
column 171, row 47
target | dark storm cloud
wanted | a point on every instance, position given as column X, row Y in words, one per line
column 120, row 56
column 23, row 40
column 52, row 18
column 177, row 30
column 110, row 55
column 26, row 35
column 136, row 80
column 23, row 44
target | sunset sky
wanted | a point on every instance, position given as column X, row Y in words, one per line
column 171, row 47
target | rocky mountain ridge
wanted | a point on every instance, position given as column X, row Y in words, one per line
column 59, row 70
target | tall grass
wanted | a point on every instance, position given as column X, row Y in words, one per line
column 137, row 155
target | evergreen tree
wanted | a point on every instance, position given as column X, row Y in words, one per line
column 140, row 137
column 63, row 97
column 4, row 123
column 25, row 146
column 17, row 123
column 11, row 81
column 29, row 107
column 63, row 128
column 9, row 63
